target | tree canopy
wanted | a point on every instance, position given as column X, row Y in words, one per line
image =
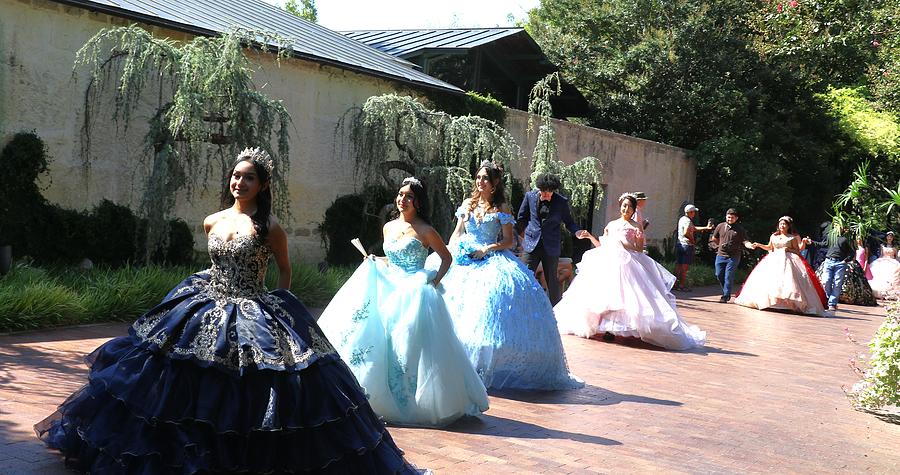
column 305, row 9
column 742, row 84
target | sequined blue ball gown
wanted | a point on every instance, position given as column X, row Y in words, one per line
column 501, row 314
column 222, row 377
column 392, row 327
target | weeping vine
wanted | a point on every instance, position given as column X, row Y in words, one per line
column 577, row 179
column 205, row 109
column 394, row 136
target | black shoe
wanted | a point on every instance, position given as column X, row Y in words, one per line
column 723, row 299
column 608, row 336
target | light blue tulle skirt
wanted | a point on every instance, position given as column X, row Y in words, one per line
column 505, row 321
column 393, row 329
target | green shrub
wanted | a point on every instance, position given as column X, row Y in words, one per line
column 108, row 234
column 23, row 160
column 880, row 385
column 471, row 103
column 33, row 297
column 313, row 287
column 353, row 216
column 112, row 234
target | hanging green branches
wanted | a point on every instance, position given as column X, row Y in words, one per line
column 206, row 109
column 577, row 179
column 394, row 136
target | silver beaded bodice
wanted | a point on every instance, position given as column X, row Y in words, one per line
column 238, row 266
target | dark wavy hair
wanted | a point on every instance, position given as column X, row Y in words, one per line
column 263, row 198
column 631, row 199
column 547, row 182
column 495, row 174
column 420, row 199
column 790, row 223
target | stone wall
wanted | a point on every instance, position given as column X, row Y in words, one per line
column 665, row 173
column 38, row 41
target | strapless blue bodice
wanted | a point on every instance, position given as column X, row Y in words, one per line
column 407, row 253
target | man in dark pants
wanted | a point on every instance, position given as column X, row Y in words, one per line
column 728, row 239
column 540, row 216
column 839, row 254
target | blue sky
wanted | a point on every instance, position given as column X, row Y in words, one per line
column 407, row 14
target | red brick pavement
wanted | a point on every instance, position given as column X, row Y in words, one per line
column 764, row 396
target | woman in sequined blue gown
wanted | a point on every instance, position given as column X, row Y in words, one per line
column 390, row 323
column 500, row 312
column 224, row 376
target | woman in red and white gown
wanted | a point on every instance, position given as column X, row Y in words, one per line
column 885, row 280
column 783, row 279
column 621, row 291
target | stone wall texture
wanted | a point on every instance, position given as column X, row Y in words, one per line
column 38, row 91
column 665, row 173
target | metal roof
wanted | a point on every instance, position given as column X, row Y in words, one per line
column 404, row 43
column 310, row 41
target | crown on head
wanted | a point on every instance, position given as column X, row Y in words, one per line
column 627, row 195
column 411, row 180
column 491, row 165
column 258, row 156
column 786, row 218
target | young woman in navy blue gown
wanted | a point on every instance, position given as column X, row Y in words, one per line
column 223, row 375
column 501, row 314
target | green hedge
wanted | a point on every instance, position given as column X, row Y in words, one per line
column 33, row 297
column 46, row 233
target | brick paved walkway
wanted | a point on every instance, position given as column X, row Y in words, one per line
column 764, row 396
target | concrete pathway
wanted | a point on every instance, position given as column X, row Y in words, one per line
column 765, row 395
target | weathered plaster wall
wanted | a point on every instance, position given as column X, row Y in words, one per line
column 665, row 173
column 38, row 41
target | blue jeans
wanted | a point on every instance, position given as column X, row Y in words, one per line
column 833, row 280
column 725, row 268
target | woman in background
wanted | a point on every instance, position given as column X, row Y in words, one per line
column 782, row 279
column 390, row 324
column 885, row 270
column 620, row 291
column 500, row 312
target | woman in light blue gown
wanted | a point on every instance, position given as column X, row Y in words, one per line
column 500, row 312
column 390, row 324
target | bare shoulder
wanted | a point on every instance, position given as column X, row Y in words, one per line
column 423, row 229
column 212, row 219
column 277, row 233
column 504, row 208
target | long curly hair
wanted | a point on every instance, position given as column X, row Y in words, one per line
column 263, row 199
column 495, row 175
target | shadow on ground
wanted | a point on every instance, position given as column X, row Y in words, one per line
column 486, row 424
column 588, row 395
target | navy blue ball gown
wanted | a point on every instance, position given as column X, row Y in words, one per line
column 222, row 376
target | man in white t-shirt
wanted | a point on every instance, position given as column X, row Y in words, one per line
column 684, row 248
